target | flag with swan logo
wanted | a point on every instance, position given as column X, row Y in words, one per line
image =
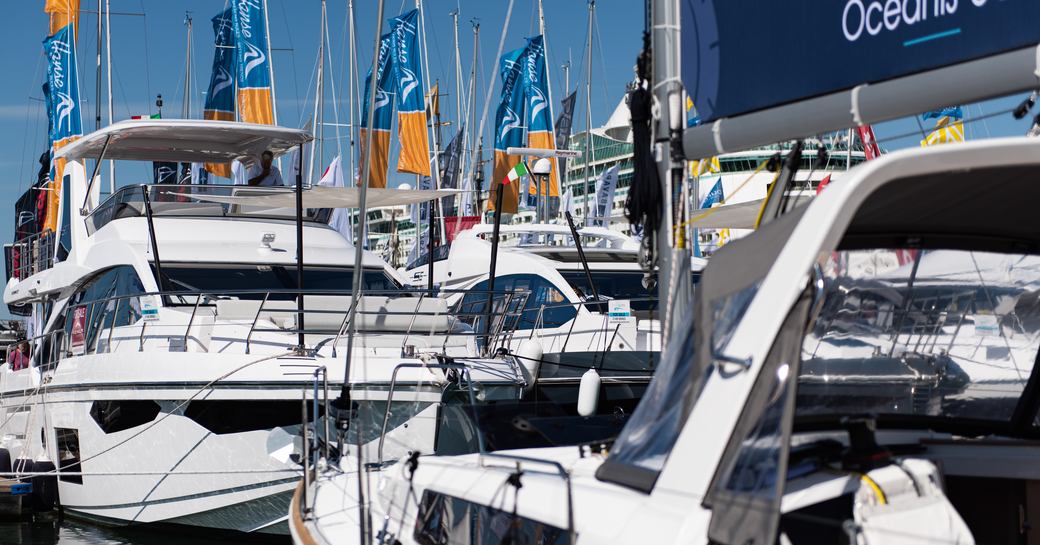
column 540, row 133
column 382, row 116
column 509, row 129
column 253, row 62
column 411, row 90
column 220, row 98
column 67, row 125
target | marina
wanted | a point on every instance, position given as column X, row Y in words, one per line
column 581, row 272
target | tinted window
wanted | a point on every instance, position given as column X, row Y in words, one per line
column 613, row 285
column 440, row 253
column 539, row 292
column 952, row 336
column 442, row 519
column 95, row 300
column 230, row 277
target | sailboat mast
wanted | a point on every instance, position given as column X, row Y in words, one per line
column 588, row 113
column 566, row 77
column 543, row 200
column 673, row 266
column 458, row 66
column 320, row 122
column 351, row 79
column 97, row 87
column 108, row 82
column 471, row 135
column 270, row 62
column 317, row 118
column 186, row 104
column 436, row 171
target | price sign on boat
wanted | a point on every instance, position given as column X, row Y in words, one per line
column 620, row 312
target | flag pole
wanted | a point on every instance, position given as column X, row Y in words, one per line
column 494, row 262
column 552, row 117
column 435, row 175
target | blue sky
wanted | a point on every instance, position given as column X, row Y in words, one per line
column 148, row 53
column 149, row 49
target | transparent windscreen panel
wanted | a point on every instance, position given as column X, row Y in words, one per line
column 930, row 333
column 185, row 200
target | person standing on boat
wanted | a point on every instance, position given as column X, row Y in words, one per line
column 265, row 174
column 19, row 358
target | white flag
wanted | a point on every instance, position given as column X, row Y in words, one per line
column 239, row 174
column 605, row 187
column 340, row 220
column 568, row 203
column 421, row 220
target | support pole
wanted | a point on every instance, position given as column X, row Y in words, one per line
column 588, row 114
column 674, row 282
column 300, row 341
column 494, row 264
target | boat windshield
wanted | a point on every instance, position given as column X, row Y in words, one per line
column 930, row 335
column 217, row 278
column 172, row 200
column 613, row 284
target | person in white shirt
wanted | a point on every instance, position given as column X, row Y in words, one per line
column 265, row 174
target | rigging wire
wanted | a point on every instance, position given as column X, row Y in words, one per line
column 147, row 59
column 35, row 120
column 292, row 63
column 598, row 34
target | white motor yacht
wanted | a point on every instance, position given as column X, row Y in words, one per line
column 805, row 400
column 179, row 331
column 592, row 307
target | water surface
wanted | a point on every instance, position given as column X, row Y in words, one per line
column 70, row 532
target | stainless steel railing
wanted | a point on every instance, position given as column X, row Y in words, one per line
column 99, row 318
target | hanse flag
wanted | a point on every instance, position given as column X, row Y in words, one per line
column 64, row 109
column 414, row 156
column 220, row 97
column 509, row 129
column 382, row 116
column 253, row 64
column 540, row 132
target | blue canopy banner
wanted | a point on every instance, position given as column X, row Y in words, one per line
column 741, row 56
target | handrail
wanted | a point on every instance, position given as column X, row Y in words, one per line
column 255, row 319
column 393, row 384
column 509, row 315
column 562, row 471
column 35, row 253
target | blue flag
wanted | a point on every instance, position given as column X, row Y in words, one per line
column 715, row 196
column 953, row 112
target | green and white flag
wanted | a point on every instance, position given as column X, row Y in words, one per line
column 515, row 173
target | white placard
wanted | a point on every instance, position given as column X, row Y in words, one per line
column 149, row 308
column 986, row 325
column 620, row 312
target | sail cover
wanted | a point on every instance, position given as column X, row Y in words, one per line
column 846, row 57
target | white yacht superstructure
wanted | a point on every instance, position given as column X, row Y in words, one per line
column 178, row 334
column 806, row 401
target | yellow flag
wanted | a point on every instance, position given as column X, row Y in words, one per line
column 945, row 133
column 706, row 166
column 62, row 12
